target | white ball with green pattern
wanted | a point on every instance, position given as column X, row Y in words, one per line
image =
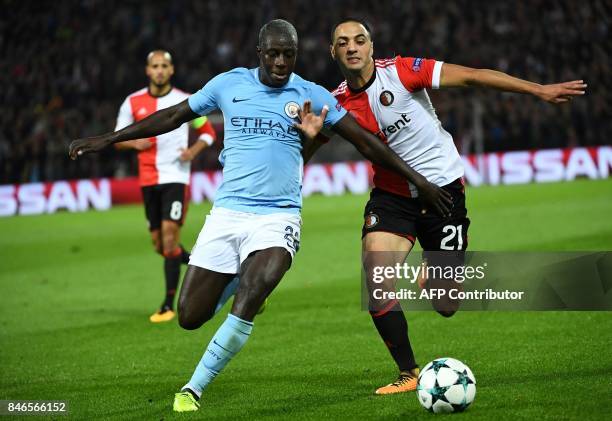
column 446, row 385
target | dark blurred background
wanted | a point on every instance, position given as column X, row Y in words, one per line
column 66, row 66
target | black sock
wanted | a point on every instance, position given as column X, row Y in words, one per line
column 191, row 392
column 393, row 329
column 184, row 255
column 172, row 271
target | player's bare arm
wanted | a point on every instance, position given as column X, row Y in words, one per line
column 432, row 196
column 188, row 154
column 372, row 148
column 205, row 139
column 137, row 145
column 453, row 75
column 157, row 123
column 311, row 145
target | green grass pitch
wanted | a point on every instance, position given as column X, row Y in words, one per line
column 77, row 290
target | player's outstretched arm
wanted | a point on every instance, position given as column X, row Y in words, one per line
column 432, row 196
column 157, row 123
column 453, row 75
column 136, row 145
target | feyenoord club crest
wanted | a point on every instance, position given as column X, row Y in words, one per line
column 386, row 98
column 371, row 220
column 292, row 109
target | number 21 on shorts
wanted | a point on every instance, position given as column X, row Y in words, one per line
column 452, row 231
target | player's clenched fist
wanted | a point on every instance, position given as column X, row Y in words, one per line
column 80, row 147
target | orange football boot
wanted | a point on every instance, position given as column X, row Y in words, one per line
column 406, row 382
column 162, row 316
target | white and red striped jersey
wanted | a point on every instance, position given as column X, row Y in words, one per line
column 160, row 164
column 394, row 106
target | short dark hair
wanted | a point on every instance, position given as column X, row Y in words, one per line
column 351, row 19
column 278, row 27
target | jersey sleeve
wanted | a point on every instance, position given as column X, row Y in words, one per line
column 321, row 97
column 125, row 116
column 205, row 130
column 418, row 73
column 206, row 99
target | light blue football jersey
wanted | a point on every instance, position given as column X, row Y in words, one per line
column 261, row 158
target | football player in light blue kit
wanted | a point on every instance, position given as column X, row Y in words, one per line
column 254, row 227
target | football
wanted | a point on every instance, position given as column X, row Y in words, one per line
column 446, row 385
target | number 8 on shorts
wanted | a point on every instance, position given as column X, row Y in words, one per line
column 176, row 210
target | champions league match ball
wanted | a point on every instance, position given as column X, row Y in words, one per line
column 446, row 385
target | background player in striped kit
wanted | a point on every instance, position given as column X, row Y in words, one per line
column 388, row 98
column 164, row 169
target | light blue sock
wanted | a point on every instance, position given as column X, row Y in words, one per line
column 228, row 340
column 227, row 293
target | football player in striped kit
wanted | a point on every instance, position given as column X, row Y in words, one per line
column 388, row 97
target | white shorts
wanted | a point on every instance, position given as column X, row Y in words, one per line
column 228, row 237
